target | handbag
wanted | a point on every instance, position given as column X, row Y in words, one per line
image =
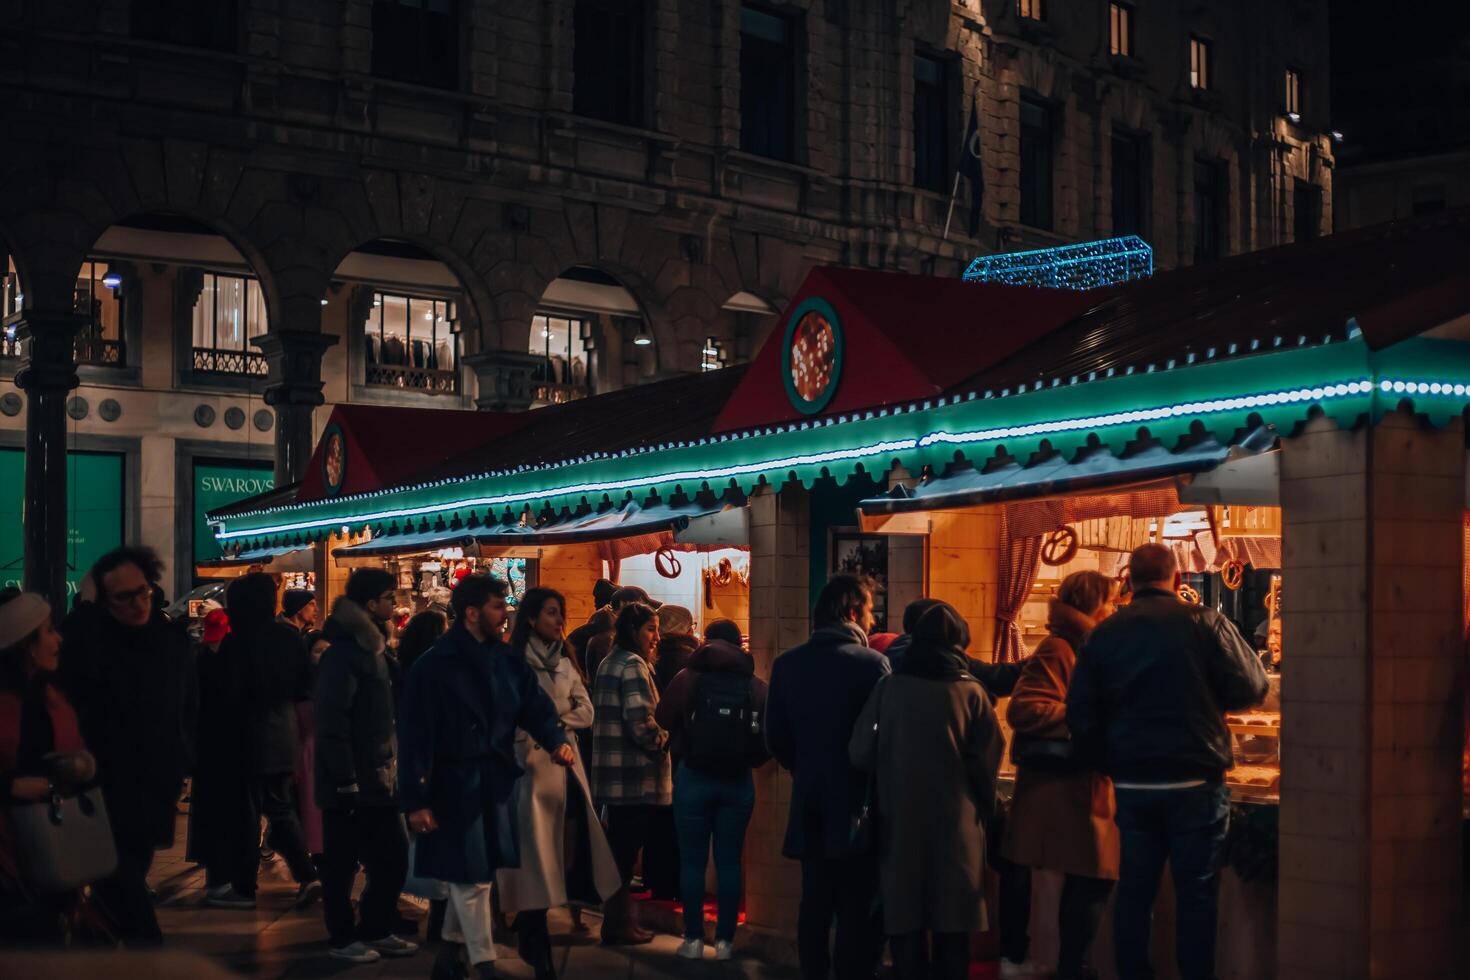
column 63, row 842
column 862, row 836
column 1048, row 754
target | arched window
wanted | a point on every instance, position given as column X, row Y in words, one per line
column 409, row 344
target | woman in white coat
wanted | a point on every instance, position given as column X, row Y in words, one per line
column 563, row 848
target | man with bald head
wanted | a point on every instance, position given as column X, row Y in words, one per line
column 1147, row 705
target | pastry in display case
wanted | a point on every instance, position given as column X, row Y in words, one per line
column 1255, row 737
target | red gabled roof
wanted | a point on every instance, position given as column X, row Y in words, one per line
column 388, row 446
column 904, row 338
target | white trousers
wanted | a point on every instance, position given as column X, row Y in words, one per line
column 468, row 918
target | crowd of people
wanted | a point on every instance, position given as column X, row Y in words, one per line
column 499, row 766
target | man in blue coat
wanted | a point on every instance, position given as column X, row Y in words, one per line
column 817, row 691
column 463, row 702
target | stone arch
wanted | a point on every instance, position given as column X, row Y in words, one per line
column 618, row 303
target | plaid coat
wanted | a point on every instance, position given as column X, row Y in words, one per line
column 630, row 754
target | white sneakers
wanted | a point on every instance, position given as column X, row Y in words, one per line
column 693, row 949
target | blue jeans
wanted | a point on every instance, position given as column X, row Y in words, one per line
column 1187, row 828
column 708, row 806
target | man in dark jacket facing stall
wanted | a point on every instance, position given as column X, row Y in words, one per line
column 462, row 704
column 1147, row 704
column 130, row 674
column 817, row 691
column 356, row 773
column 271, row 672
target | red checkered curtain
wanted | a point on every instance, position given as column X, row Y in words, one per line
column 1020, row 557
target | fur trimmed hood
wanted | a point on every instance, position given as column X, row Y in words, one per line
column 351, row 620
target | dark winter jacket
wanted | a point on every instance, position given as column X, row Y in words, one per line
column 602, row 621
column 136, row 696
column 715, row 657
column 462, row 704
column 817, row 691
column 999, row 680
column 674, row 651
column 1151, row 688
column 271, row 670
column 356, row 747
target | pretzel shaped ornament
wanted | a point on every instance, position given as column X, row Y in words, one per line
column 1059, row 547
column 1189, row 594
column 1232, row 574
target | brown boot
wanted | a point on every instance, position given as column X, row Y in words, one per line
column 618, row 926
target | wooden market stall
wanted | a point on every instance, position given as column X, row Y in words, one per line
column 1290, row 422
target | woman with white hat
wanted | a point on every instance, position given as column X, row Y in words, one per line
column 41, row 750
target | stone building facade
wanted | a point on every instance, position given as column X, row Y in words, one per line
column 666, row 171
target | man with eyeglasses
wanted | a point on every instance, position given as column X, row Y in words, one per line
column 130, row 675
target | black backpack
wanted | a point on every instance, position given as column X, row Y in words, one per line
column 722, row 726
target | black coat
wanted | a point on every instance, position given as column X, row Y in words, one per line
column 271, row 671
column 356, row 744
column 462, row 705
column 219, row 797
column 136, row 696
column 1152, row 684
column 817, row 691
column 999, row 680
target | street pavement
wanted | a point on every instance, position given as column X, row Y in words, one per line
column 277, row 941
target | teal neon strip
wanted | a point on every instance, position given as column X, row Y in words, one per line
column 1344, row 379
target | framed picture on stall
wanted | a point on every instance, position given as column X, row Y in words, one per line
column 855, row 553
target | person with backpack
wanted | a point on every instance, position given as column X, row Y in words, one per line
column 714, row 711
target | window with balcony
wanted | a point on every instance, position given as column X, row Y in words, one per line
column 213, row 25
column 767, row 83
column 229, row 312
column 1293, row 94
column 1037, row 140
column 607, row 61
column 562, row 340
column 1031, row 9
column 417, row 41
column 1120, row 30
column 1209, row 210
column 98, row 298
column 1201, row 72
column 409, row 344
column 931, row 122
column 1130, row 183
column 10, row 297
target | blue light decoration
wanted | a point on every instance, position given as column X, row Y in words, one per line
column 1089, row 265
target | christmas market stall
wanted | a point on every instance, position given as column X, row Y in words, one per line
column 1289, row 422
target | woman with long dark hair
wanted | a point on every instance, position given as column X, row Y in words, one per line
column 630, row 757
column 559, row 834
column 40, row 748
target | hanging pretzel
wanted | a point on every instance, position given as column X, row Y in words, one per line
column 1273, row 599
column 723, row 573
column 1232, row 574
column 1188, row 594
column 1059, row 547
column 666, row 564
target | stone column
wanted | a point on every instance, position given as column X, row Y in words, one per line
column 505, row 379
column 1373, row 690
column 294, row 390
column 48, row 373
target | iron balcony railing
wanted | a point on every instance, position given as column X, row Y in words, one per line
column 428, row 380
column 244, row 363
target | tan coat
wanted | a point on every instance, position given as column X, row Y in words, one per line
column 1060, row 821
column 541, row 805
column 936, row 747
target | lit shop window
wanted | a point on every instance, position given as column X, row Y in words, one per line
column 1294, row 95
column 229, row 312
column 409, row 343
column 712, row 357
column 1031, row 9
column 98, row 298
column 562, row 343
column 10, row 299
